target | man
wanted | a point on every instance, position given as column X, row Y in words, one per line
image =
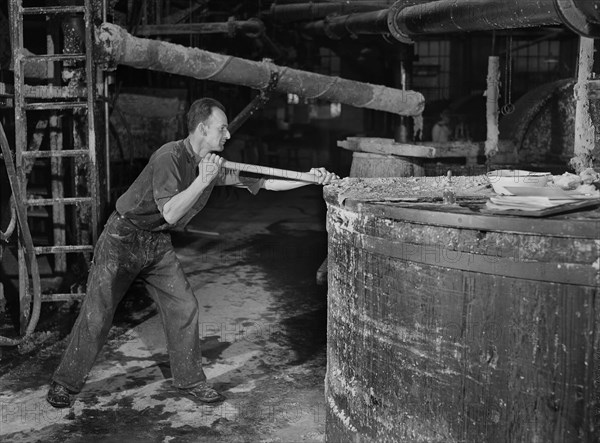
column 135, row 243
column 441, row 131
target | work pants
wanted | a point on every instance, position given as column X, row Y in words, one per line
column 124, row 253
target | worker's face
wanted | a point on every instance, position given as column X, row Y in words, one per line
column 215, row 130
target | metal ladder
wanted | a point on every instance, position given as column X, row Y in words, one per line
column 57, row 100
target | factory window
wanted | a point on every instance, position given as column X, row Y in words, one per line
column 329, row 62
column 537, row 57
column 533, row 64
column 431, row 71
column 293, row 99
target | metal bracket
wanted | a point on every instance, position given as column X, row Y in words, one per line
column 257, row 102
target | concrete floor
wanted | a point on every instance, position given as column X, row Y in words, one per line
column 263, row 330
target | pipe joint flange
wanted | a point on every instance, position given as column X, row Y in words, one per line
column 576, row 19
column 260, row 26
column 392, row 20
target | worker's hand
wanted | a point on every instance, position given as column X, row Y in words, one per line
column 210, row 165
column 324, row 176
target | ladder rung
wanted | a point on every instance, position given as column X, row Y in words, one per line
column 62, row 297
column 53, row 201
column 62, row 249
column 45, row 91
column 51, row 91
column 48, row 154
column 50, row 10
column 53, row 57
column 40, row 106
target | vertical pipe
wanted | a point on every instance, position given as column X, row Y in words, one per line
column 90, row 79
column 491, row 106
column 106, row 121
column 584, row 127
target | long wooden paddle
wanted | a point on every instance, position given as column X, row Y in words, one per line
column 275, row 172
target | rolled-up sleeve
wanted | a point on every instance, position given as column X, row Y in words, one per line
column 253, row 184
column 166, row 180
column 230, row 177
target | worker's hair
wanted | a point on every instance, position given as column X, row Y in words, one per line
column 200, row 111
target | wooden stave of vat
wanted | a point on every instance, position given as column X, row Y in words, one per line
column 439, row 325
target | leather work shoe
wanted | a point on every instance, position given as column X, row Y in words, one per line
column 59, row 396
column 202, row 392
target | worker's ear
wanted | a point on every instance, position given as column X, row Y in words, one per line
column 201, row 128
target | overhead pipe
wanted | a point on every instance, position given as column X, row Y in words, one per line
column 315, row 11
column 232, row 27
column 406, row 19
column 337, row 27
column 293, row 2
column 116, row 46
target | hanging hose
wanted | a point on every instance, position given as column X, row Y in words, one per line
column 26, row 239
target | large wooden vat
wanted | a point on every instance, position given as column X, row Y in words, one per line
column 450, row 325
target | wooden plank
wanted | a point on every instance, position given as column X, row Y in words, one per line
column 558, row 209
column 53, row 92
column 387, row 146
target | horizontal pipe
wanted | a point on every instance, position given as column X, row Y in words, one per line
column 231, row 27
column 315, row 11
column 337, row 27
column 296, row 2
column 293, row 2
column 117, row 46
column 475, row 15
column 405, row 20
column 444, row 16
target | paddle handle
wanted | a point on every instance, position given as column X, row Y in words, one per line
column 267, row 170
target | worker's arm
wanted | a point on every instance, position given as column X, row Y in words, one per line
column 323, row 175
column 274, row 184
column 181, row 203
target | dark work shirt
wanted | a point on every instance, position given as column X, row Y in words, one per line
column 170, row 170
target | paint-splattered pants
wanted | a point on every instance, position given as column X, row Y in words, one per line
column 124, row 253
